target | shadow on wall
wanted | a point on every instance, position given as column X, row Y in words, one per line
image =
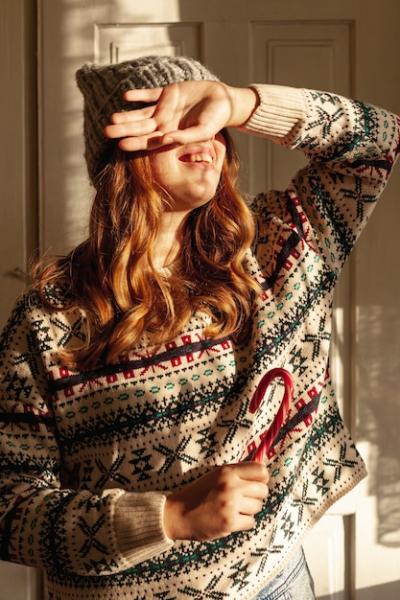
column 388, row 591
column 69, row 25
column 378, row 324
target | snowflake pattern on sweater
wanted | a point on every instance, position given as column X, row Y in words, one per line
column 88, row 458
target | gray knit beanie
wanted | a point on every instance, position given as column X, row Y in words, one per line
column 102, row 87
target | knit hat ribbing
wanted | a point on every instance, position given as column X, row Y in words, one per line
column 102, row 87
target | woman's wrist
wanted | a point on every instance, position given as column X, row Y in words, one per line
column 244, row 102
column 173, row 518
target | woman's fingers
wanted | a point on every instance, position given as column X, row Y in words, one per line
column 145, row 142
column 144, row 95
column 132, row 115
column 130, row 128
column 250, row 506
column 146, row 120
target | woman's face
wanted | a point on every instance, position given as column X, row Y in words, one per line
column 190, row 184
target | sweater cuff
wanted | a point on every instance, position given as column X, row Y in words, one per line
column 280, row 109
column 139, row 525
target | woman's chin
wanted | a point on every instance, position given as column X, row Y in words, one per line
column 191, row 202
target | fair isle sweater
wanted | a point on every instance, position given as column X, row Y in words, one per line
column 88, row 458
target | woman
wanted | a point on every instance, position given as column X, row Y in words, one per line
column 128, row 367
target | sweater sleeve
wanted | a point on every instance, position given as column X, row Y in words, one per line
column 351, row 148
column 41, row 524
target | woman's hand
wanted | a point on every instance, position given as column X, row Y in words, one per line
column 185, row 112
column 220, row 502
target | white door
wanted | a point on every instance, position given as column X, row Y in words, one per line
column 346, row 47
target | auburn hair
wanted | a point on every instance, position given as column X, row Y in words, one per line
column 110, row 275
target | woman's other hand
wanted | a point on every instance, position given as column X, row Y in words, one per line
column 184, row 112
column 220, row 502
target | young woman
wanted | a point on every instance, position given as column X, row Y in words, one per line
column 128, row 367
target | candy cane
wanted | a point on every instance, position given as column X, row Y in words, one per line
column 258, row 453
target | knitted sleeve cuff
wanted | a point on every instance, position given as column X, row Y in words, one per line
column 279, row 110
column 139, row 526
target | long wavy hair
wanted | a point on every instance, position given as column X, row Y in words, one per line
column 111, row 277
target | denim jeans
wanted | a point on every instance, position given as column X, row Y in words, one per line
column 294, row 582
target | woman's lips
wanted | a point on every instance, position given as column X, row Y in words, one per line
column 199, row 164
column 197, row 149
column 205, row 163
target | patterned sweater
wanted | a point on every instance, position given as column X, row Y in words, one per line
column 88, row 458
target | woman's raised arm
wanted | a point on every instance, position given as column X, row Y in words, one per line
column 351, row 148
